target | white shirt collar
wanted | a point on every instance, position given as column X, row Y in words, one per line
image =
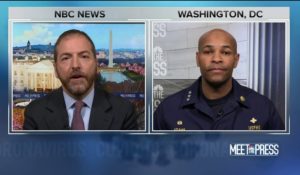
column 88, row 99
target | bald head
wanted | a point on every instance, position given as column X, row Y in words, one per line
column 218, row 33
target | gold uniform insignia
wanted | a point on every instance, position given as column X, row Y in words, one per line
column 179, row 124
column 242, row 98
column 253, row 120
column 254, row 127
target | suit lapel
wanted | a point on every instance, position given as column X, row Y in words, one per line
column 100, row 118
column 57, row 116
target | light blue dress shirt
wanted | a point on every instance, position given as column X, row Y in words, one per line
column 85, row 111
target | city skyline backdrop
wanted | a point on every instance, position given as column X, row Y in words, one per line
column 125, row 35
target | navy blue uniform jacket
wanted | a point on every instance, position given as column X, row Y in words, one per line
column 108, row 112
column 244, row 110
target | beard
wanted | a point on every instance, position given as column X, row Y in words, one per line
column 77, row 84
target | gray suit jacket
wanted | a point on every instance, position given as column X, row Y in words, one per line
column 108, row 113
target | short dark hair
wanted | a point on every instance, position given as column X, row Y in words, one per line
column 73, row 32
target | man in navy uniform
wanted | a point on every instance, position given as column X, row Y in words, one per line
column 216, row 101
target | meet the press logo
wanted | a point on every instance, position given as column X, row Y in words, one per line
column 254, row 149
